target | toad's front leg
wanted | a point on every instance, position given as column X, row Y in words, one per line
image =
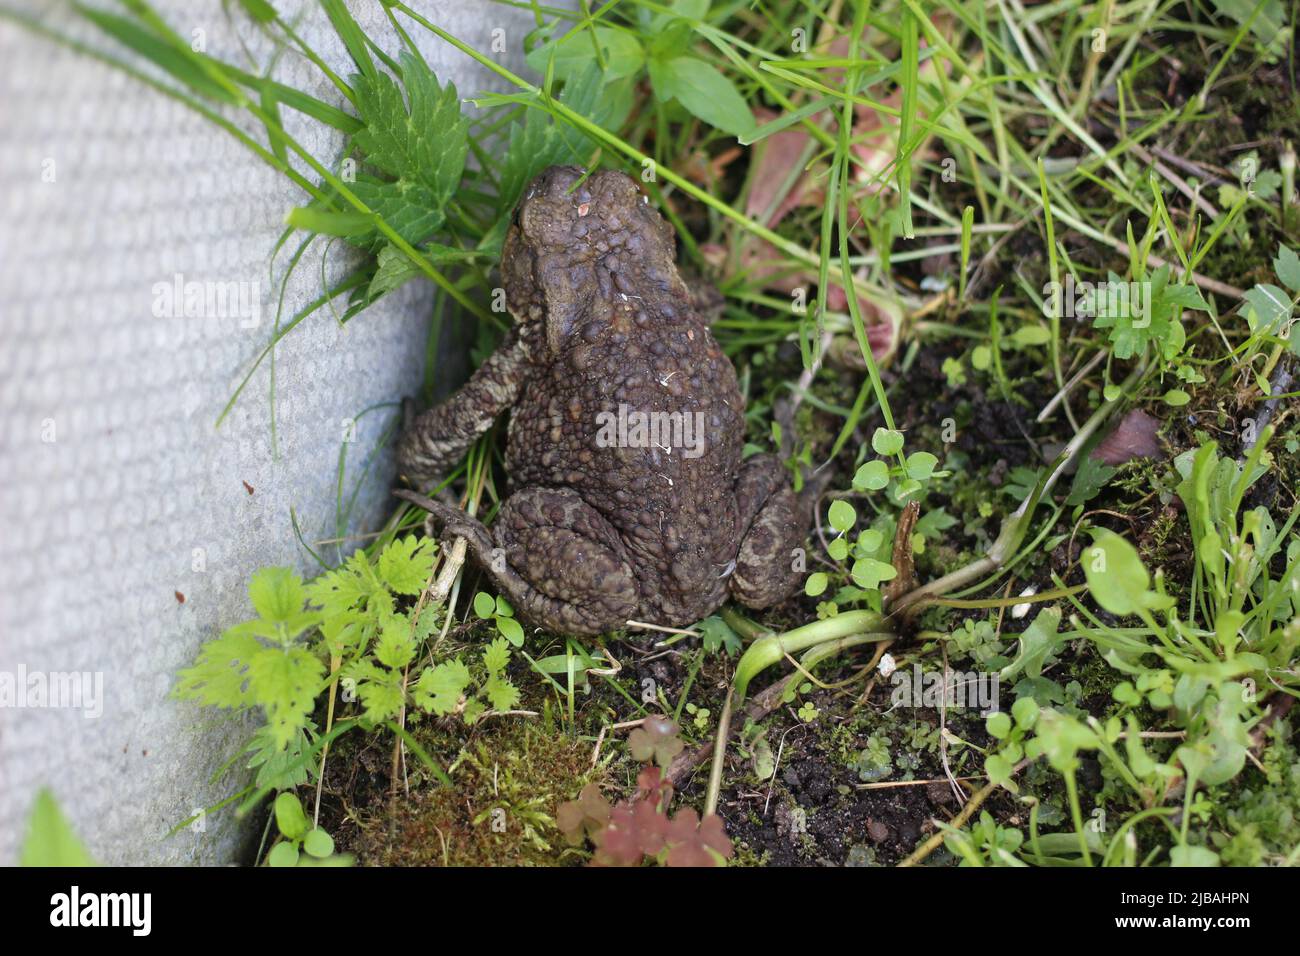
column 436, row 440
column 558, row 561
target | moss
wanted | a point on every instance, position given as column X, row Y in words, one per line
column 499, row 812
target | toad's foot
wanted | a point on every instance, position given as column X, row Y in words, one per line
column 767, row 571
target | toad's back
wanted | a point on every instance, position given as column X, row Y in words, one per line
column 641, row 415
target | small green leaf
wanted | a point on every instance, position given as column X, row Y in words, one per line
column 703, row 91
column 512, row 630
column 872, row 476
column 574, row 52
column 1188, row 855
column 318, row 843
column 1028, row 335
column 284, row 853
column 869, row 573
column 285, row 683
column 841, row 515
column 290, row 818
column 816, row 584
column 887, row 442
column 920, row 465
column 1037, row 641
column 484, row 605
column 501, row 694
column 1025, row 712
column 869, row 541
column 1266, row 306
column 717, row 635
column 998, row 724
column 1117, row 579
column 1287, row 267
column 50, row 839
column 395, row 647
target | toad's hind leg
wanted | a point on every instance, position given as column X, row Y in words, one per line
column 773, row 524
column 573, row 572
column 555, row 558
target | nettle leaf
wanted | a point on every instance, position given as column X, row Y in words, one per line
column 396, row 645
column 395, row 268
column 277, row 593
column 540, row 141
column 345, row 588
column 427, row 623
column 703, row 91
column 280, row 769
column 412, row 209
column 501, row 694
column 439, row 688
column 421, row 137
column 219, row 678
column 343, row 633
column 405, row 564
column 284, row 682
column 417, row 141
column 496, row 656
column 381, row 699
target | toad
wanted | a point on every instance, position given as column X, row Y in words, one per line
column 629, row 497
